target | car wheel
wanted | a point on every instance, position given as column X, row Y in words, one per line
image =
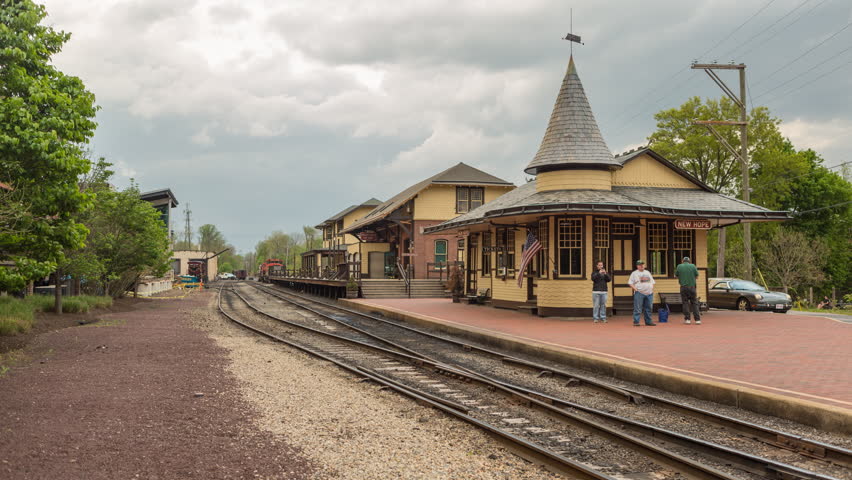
column 742, row 305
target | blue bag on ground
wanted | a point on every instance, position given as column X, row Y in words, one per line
column 664, row 313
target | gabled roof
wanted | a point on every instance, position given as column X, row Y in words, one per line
column 572, row 136
column 159, row 195
column 460, row 174
column 373, row 202
column 630, row 155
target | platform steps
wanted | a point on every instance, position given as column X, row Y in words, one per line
column 389, row 288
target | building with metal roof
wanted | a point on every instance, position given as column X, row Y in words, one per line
column 586, row 205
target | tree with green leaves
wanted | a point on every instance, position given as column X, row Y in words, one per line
column 210, row 239
column 692, row 148
column 46, row 117
column 127, row 238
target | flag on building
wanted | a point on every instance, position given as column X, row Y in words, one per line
column 530, row 248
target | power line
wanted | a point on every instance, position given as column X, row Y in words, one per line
column 796, row 20
column 834, row 56
column 810, row 81
column 787, row 179
column 660, row 86
column 822, row 208
column 655, row 103
column 764, row 7
column 802, row 55
column 741, row 45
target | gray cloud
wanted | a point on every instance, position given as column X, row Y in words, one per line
column 269, row 115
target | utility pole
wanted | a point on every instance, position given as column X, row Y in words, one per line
column 187, row 231
column 741, row 155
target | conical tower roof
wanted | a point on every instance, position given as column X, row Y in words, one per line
column 572, row 137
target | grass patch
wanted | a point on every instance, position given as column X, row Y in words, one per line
column 18, row 315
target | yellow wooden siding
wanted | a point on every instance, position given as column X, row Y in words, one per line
column 438, row 202
column 573, row 180
column 508, row 290
column 645, row 171
column 587, row 240
column 700, row 249
column 565, row 293
column 366, row 248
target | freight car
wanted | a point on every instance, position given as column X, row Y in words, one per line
column 241, row 274
column 271, row 265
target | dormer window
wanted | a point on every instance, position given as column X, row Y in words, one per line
column 468, row 198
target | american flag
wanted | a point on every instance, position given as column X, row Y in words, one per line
column 531, row 247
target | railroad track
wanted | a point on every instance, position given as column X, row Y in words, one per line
column 548, row 424
column 789, row 446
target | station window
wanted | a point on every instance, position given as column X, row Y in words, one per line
column 440, row 253
column 542, row 258
column 658, row 244
column 570, row 246
column 682, row 242
column 506, row 251
column 601, row 241
column 623, row 228
column 486, row 253
column 468, row 198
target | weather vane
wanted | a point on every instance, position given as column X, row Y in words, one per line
column 571, row 37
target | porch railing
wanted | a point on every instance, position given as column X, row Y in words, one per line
column 441, row 269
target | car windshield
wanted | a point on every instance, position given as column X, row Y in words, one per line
column 747, row 286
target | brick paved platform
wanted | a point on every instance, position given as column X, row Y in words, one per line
column 789, row 355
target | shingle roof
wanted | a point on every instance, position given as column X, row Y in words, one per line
column 460, row 174
column 572, row 136
column 373, row 202
column 684, row 202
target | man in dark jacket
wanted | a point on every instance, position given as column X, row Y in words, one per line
column 686, row 274
column 600, row 278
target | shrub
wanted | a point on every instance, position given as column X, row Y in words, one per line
column 16, row 316
column 74, row 305
column 95, row 301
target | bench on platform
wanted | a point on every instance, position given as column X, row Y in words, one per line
column 480, row 297
column 673, row 300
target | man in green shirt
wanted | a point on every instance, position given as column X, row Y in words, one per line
column 686, row 274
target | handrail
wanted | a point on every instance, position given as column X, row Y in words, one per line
column 404, row 275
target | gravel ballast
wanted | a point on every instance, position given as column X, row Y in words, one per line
column 350, row 429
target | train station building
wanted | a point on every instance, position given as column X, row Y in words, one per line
column 587, row 205
column 390, row 237
column 338, row 248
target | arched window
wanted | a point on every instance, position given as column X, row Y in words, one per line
column 440, row 252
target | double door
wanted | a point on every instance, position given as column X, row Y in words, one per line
column 625, row 251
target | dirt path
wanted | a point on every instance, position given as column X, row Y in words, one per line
column 139, row 394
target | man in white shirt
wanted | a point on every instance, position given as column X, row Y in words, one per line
column 642, row 284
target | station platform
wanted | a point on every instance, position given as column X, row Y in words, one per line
column 733, row 354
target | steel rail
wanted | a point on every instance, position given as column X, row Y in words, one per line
column 459, row 411
column 777, row 438
column 634, row 397
column 744, row 461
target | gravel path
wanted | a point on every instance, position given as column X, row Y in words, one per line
column 139, row 394
column 354, row 430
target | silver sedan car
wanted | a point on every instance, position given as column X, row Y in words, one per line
column 742, row 294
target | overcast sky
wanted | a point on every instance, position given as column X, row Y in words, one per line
column 267, row 115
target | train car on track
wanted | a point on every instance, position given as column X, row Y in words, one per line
column 198, row 269
column 241, row 274
column 271, row 265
